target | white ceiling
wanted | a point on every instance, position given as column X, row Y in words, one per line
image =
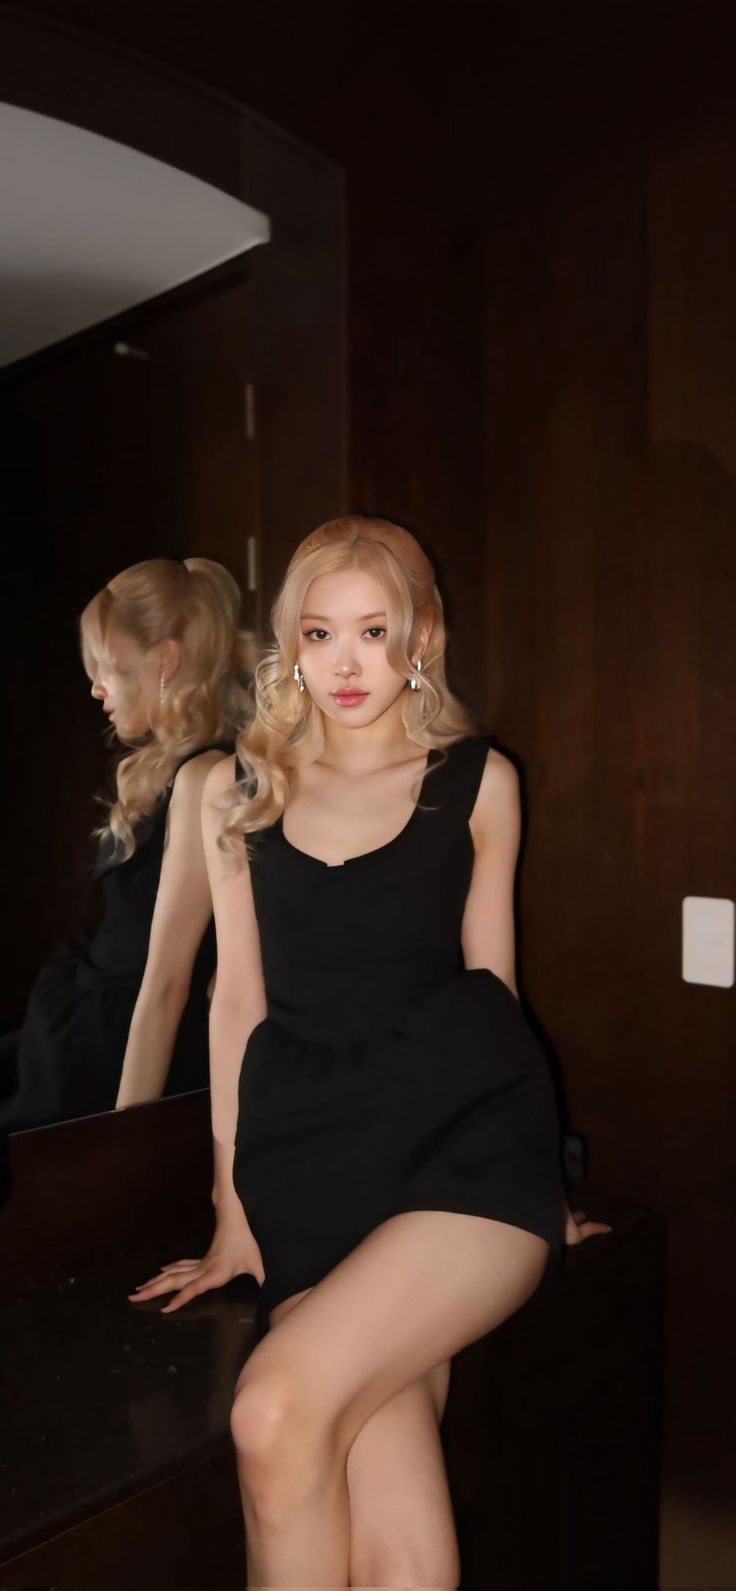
column 88, row 228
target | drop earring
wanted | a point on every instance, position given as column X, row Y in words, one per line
column 162, row 687
column 415, row 682
column 298, row 676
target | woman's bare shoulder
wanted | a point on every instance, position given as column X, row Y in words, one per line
column 219, row 779
column 498, row 800
column 191, row 778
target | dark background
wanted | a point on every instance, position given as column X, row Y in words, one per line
column 542, row 369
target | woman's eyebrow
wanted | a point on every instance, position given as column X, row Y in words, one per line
column 379, row 615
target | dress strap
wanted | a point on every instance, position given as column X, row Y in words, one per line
column 212, row 745
column 460, row 776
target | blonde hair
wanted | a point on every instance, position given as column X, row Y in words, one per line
column 197, row 603
column 286, row 729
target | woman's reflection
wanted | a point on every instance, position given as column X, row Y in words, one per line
column 119, row 1014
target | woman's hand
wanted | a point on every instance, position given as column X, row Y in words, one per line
column 578, row 1227
column 232, row 1252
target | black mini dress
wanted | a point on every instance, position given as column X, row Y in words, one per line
column 386, row 1076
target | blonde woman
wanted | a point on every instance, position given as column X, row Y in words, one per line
column 387, row 1155
column 119, row 1015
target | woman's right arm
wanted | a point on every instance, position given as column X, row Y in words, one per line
column 238, row 1005
column 239, row 999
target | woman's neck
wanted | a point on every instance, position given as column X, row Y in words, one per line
column 354, row 752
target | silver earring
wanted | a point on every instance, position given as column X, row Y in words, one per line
column 162, row 687
column 415, row 682
column 298, row 676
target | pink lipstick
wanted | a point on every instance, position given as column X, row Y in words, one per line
column 348, row 698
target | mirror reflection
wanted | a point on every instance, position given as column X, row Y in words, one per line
column 118, row 1014
column 130, row 497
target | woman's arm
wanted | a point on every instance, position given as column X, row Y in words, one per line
column 181, row 914
column 239, row 998
column 238, row 1004
column 488, row 936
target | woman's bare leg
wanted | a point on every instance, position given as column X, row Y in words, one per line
column 419, row 1288
column 402, row 1529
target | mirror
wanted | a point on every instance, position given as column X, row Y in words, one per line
column 126, row 339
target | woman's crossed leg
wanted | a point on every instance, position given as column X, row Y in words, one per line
column 419, row 1288
column 402, row 1528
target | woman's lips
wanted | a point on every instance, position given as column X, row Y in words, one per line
column 348, row 698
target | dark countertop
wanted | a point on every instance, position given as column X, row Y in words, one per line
column 101, row 1397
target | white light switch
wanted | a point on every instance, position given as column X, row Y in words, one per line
column 708, row 940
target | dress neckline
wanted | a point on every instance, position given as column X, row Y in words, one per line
column 378, row 850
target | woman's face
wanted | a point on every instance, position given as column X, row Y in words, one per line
column 125, row 679
column 342, row 651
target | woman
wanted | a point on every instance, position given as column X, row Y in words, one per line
column 119, row 1015
column 395, row 1181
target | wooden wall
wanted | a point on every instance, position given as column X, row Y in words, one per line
column 610, row 337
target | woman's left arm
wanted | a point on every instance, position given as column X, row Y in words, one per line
column 488, row 936
column 181, row 914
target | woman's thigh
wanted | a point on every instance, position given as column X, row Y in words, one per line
column 419, row 1287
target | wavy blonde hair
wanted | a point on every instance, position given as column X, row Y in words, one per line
column 196, row 603
column 286, row 729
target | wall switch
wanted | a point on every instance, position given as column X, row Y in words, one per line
column 708, row 940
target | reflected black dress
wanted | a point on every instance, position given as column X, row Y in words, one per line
column 75, row 1030
column 386, row 1077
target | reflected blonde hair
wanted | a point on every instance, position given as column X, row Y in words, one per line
column 196, row 603
column 286, row 729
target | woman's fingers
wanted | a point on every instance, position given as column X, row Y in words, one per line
column 191, row 1290
column 161, row 1284
column 580, row 1218
column 178, row 1268
column 185, row 1282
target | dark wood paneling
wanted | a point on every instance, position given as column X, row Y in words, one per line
column 83, row 1192
column 611, row 362
column 188, row 1531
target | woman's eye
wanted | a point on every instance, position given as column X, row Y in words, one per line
column 373, row 630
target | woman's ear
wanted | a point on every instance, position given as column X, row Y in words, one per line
column 168, row 654
column 423, row 640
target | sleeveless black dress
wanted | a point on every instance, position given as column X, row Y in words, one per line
column 386, row 1077
column 75, row 1031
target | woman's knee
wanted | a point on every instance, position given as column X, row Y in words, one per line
column 259, row 1415
column 283, row 1445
